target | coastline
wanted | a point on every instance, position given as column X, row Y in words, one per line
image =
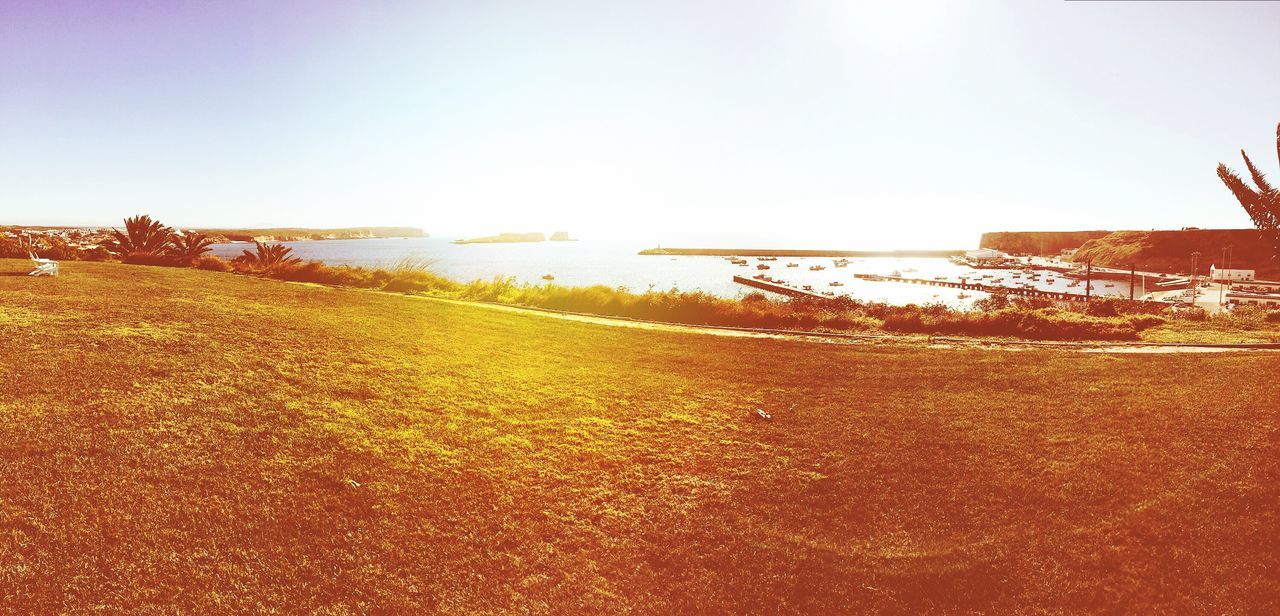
column 784, row 252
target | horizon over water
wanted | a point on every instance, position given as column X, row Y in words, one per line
column 617, row 264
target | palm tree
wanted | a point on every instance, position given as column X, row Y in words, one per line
column 1262, row 203
column 267, row 256
column 186, row 246
column 142, row 236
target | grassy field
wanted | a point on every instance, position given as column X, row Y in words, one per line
column 205, row 441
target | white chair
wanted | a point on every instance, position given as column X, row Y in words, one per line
column 44, row 267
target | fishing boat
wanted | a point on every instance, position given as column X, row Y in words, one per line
column 837, row 283
column 841, row 262
column 816, row 268
column 963, row 296
column 548, row 277
column 807, row 287
column 762, row 267
column 793, row 265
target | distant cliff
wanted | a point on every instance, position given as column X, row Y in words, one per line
column 289, row 234
column 506, row 238
column 1037, row 242
column 1170, row 251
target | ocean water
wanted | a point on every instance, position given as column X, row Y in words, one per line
column 617, row 264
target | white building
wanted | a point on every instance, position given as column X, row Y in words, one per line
column 1258, row 286
column 1252, row 298
column 1229, row 274
column 985, row 254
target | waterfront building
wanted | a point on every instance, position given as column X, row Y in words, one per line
column 1224, row 275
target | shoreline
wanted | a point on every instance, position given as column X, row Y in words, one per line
column 785, row 252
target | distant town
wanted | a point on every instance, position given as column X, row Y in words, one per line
column 88, row 243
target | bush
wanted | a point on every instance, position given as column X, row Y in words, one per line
column 211, row 263
column 1042, row 324
column 405, row 278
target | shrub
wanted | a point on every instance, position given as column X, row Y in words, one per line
column 211, row 263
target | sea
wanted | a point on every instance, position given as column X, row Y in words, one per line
column 618, row 264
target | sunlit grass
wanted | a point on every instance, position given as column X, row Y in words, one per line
column 203, row 442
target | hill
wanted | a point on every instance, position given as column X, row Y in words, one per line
column 290, row 234
column 1170, row 251
column 200, row 442
column 1037, row 242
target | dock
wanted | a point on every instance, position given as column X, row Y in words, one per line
column 986, row 288
column 781, row 289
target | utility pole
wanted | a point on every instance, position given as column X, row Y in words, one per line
column 1088, row 281
column 1132, row 269
column 1222, row 283
column 1195, row 264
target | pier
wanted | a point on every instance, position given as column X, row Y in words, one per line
column 778, row 288
column 986, row 288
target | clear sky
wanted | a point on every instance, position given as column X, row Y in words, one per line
column 844, row 124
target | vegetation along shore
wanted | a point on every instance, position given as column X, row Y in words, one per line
column 147, row 242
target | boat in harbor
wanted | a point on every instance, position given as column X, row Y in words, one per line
column 793, row 265
column 548, row 277
column 842, row 262
column 837, row 283
column 816, row 268
column 762, row 267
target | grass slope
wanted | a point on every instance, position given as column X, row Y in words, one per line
column 215, row 442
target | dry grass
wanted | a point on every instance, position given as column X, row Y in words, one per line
column 194, row 441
